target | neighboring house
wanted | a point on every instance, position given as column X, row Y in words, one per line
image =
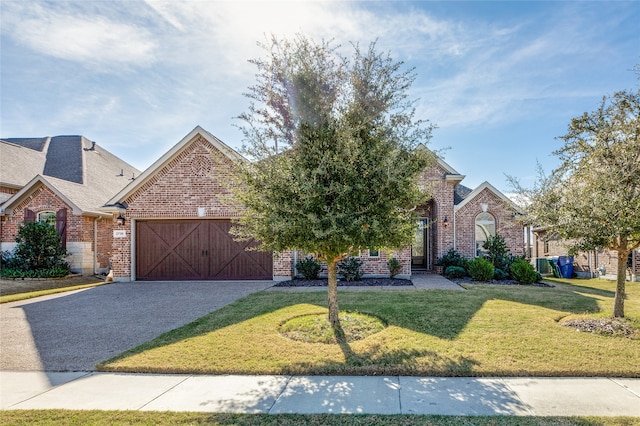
column 596, row 263
column 63, row 180
column 177, row 215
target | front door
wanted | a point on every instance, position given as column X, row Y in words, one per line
column 421, row 247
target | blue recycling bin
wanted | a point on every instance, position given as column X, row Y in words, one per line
column 565, row 264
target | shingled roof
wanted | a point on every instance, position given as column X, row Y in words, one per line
column 83, row 172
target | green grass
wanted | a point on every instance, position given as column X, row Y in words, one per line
column 56, row 417
column 487, row 330
column 314, row 328
column 29, row 295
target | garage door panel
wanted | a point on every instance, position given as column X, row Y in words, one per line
column 196, row 250
column 171, row 268
column 241, row 264
column 167, row 250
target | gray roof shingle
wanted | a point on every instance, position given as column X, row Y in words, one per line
column 85, row 173
column 64, row 158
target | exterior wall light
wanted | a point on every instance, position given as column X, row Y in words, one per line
column 445, row 222
column 120, row 220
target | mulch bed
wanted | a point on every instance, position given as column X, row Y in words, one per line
column 604, row 326
column 365, row 282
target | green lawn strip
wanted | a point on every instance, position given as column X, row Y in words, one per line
column 67, row 417
column 488, row 330
column 23, row 296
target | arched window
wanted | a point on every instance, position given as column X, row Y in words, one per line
column 47, row 217
column 485, row 228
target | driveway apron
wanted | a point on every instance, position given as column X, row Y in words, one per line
column 74, row 331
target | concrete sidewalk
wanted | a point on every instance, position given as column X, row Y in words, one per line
column 321, row 394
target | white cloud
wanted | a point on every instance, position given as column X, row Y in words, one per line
column 95, row 41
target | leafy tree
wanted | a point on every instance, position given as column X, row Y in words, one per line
column 593, row 198
column 334, row 147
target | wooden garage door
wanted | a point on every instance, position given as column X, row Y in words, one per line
column 196, row 250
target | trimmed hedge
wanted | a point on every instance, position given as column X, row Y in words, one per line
column 481, row 269
column 523, row 272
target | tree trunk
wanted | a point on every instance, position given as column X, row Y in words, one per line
column 332, row 289
column 618, row 304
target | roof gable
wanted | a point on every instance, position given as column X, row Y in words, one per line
column 167, row 158
column 486, row 185
column 449, row 172
column 30, row 187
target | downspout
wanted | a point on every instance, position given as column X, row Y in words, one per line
column 95, row 245
column 295, row 261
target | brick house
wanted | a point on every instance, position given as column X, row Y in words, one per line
column 178, row 212
column 596, row 263
column 63, row 180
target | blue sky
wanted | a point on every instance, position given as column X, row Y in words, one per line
column 500, row 79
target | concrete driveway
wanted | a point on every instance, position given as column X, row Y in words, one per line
column 74, row 331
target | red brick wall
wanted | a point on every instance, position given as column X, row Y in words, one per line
column 104, row 243
column 40, row 199
column 79, row 228
column 372, row 265
column 198, row 176
column 511, row 231
column 283, row 264
column 433, row 180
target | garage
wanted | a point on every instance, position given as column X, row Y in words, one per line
column 196, row 250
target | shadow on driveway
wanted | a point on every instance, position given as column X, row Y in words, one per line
column 75, row 331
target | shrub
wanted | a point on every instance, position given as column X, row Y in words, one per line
column 480, row 269
column 349, row 268
column 498, row 253
column 523, row 272
column 499, row 274
column 394, row 267
column 39, row 253
column 453, row 258
column 455, row 272
column 309, row 268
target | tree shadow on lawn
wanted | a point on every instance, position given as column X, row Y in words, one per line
column 437, row 313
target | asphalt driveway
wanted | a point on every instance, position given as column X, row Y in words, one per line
column 75, row 331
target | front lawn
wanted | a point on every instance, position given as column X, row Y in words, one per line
column 488, row 330
column 68, row 417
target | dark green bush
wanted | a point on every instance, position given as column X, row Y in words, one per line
column 309, row 268
column 480, row 269
column 498, row 253
column 455, row 272
column 453, row 258
column 39, row 253
column 499, row 274
column 394, row 267
column 350, row 268
column 523, row 272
